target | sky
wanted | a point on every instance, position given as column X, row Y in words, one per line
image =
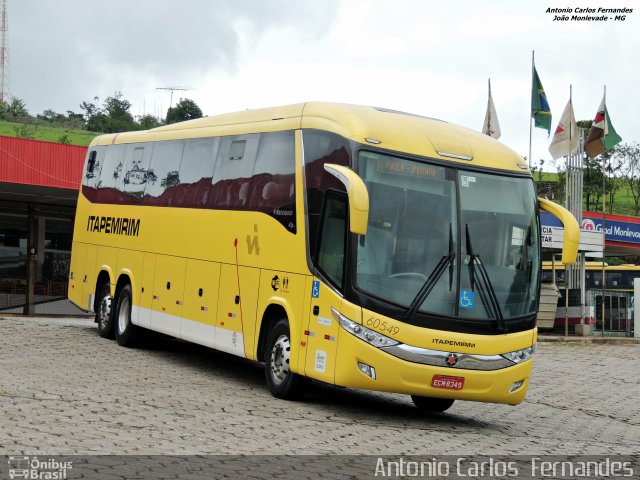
column 428, row 57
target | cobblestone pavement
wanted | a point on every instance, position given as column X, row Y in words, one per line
column 64, row 390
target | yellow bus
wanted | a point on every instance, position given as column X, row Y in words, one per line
column 356, row 246
column 617, row 277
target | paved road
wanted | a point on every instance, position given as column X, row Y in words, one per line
column 65, row 390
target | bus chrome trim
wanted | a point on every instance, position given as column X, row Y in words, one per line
column 439, row 358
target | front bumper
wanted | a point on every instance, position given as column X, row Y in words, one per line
column 396, row 375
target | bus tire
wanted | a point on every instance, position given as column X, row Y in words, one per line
column 126, row 332
column 281, row 381
column 431, row 404
column 104, row 310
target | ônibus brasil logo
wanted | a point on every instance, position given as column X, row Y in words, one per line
column 38, row 469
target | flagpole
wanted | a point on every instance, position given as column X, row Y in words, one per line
column 533, row 52
column 488, row 109
column 567, row 183
column 569, row 203
column 604, row 210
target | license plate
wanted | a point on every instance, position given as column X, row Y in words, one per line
column 451, row 383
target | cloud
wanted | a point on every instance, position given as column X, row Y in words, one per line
column 66, row 51
column 430, row 58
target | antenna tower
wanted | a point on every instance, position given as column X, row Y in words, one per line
column 172, row 89
column 4, row 53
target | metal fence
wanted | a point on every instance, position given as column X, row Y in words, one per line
column 618, row 310
column 13, row 292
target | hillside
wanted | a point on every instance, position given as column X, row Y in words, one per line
column 47, row 133
column 622, row 201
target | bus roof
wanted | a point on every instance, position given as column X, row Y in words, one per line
column 389, row 129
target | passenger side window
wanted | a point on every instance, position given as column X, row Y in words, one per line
column 111, row 174
column 333, row 229
column 234, row 168
column 163, row 173
column 196, row 172
column 93, row 166
column 136, row 169
column 272, row 186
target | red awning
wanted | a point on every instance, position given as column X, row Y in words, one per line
column 47, row 164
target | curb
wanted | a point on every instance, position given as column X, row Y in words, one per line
column 592, row 340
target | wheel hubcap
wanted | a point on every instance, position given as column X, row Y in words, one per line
column 123, row 315
column 280, row 359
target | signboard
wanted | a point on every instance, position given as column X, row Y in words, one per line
column 590, row 238
column 552, row 236
column 615, row 230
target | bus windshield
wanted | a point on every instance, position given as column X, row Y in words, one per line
column 447, row 241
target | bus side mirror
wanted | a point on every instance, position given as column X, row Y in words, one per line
column 571, row 229
column 358, row 197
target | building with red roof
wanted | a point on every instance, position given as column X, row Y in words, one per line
column 39, row 184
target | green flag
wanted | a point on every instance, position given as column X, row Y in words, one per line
column 540, row 110
column 611, row 138
column 602, row 136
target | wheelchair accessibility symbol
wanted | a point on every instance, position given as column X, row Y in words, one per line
column 315, row 291
column 466, row 299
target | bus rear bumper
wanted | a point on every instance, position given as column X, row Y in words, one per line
column 396, row 375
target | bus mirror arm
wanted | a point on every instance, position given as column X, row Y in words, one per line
column 358, row 197
column 571, row 229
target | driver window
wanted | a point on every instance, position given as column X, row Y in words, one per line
column 332, row 238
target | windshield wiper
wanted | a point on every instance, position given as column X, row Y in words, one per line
column 433, row 278
column 486, row 291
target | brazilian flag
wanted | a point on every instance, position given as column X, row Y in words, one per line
column 540, row 110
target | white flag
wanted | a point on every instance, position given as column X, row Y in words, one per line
column 491, row 125
column 566, row 139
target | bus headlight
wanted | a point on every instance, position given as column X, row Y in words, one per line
column 520, row 355
column 363, row 333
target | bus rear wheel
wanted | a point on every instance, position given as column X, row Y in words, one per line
column 431, row 404
column 282, row 382
column 104, row 313
column 126, row 332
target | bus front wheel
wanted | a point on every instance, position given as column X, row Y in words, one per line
column 282, row 382
column 431, row 404
column 104, row 313
column 126, row 332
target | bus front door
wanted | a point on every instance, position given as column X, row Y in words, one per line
column 322, row 333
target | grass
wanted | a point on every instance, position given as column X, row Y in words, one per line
column 623, row 203
column 46, row 133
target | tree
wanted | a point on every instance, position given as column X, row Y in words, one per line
column 74, row 116
column 48, row 116
column 15, row 110
column 70, row 120
column 99, row 122
column 592, row 172
column 625, row 159
column 149, row 121
column 185, row 109
column 90, row 109
column 75, row 120
column 112, row 117
column 116, row 109
column 592, row 181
